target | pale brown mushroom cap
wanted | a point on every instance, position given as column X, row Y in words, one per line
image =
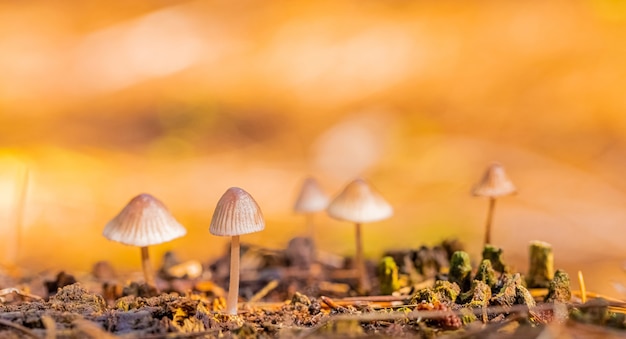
column 144, row 221
column 236, row 213
column 495, row 183
column 359, row 203
column 311, row 198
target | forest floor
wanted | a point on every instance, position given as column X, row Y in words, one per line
column 298, row 292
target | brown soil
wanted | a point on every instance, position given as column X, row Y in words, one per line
column 291, row 294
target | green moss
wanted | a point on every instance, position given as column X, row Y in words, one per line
column 541, row 269
column 388, row 275
column 559, row 288
column 424, row 294
column 486, row 273
column 442, row 291
column 460, row 270
column 494, row 255
column 446, row 291
column 479, row 295
column 513, row 292
column 523, row 296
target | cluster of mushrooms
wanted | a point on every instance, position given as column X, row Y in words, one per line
column 145, row 220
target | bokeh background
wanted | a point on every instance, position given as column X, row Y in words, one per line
column 183, row 99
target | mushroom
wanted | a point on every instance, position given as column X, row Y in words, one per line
column 495, row 183
column 143, row 222
column 236, row 213
column 360, row 203
column 311, row 199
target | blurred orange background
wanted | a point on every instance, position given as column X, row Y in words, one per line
column 185, row 99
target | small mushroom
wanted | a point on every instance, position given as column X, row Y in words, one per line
column 236, row 213
column 495, row 183
column 143, row 222
column 360, row 203
column 311, row 199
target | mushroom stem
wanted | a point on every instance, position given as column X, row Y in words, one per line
column 147, row 268
column 364, row 283
column 492, row 206
column 233, row 287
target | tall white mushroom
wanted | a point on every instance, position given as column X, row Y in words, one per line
column 236, row 213
column 143, row 222
column 311, row 199
column 494, row 183
column 360, row 203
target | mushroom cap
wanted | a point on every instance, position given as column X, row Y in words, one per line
column 359, row 202
column 495, row 183
column 236, row 213
column 311, row 198
column 144, row 221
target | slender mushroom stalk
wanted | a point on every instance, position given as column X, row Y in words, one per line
column 494, row 183
column 233, row 286
column 492, row 206
column 360, row 203
column 311, row 199
column 236, row 213
column 364, row 281
column 144, row 221
column 146, row 266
